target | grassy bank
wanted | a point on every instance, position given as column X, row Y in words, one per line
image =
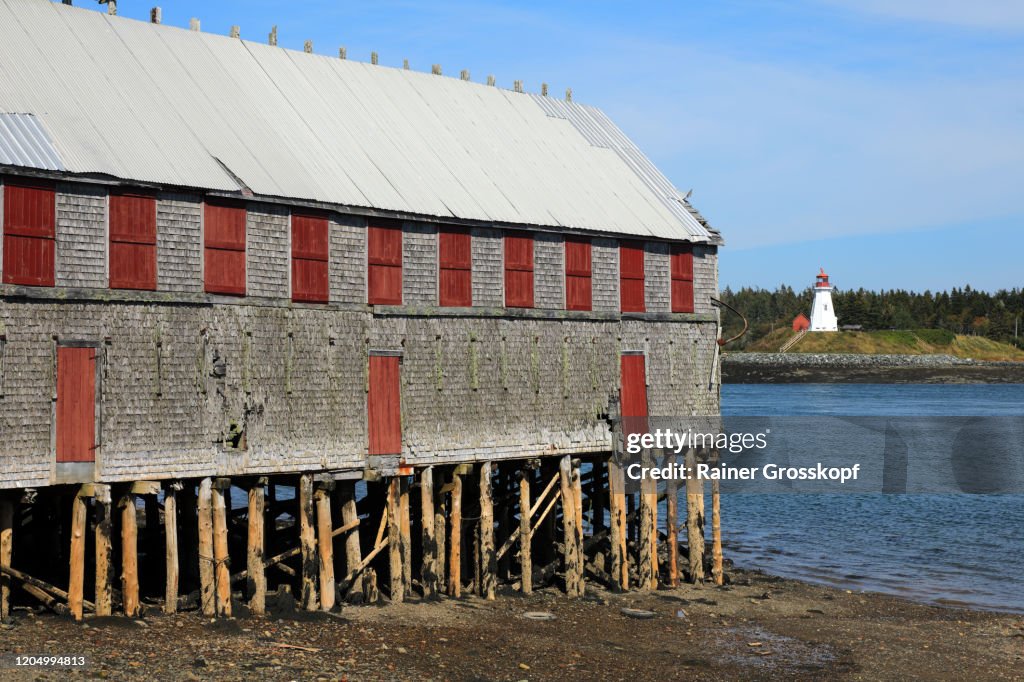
column 901, row 342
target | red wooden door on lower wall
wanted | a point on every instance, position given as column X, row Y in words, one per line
column 383, row 406
column 634, row 394
column 76, row 404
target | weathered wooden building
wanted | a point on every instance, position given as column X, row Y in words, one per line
column 225, row 263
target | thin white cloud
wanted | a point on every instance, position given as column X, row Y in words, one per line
column 1003, row 15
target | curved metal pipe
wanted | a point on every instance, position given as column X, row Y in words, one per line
column 746, row 325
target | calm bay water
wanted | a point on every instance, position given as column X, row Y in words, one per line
column 939, row 548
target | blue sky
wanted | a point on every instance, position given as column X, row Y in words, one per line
column 880, row 139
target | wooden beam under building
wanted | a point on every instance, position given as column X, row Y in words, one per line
column 488, row 563
column 455, row 539
column 6, row 551
column 619, row 529
column 396, row 551
column 572, row 531
column 429, row 563
column 256, row 579
column 204, row 504
column 307, row 542
column 325, row 546
column 221, row 569
column 525, row 533
column 76, row 579
column 171, row 550
column 102, row 518
column 129, row 556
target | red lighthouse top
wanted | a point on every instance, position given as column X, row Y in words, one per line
column 821, row 281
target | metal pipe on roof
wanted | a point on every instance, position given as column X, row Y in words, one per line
column 156, row 15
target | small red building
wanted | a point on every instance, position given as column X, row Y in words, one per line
column 801, row 323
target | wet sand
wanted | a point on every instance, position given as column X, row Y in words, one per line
column 759, row 628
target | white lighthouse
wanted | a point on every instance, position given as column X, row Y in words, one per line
column 823, row 315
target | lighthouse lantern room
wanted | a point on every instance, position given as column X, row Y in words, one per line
column 823, row 314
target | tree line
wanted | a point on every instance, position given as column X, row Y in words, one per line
column 998, row 316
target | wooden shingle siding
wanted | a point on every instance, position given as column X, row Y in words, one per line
column 81, row 258
column 518, row 270
column 605, row 265
column 419, row 266
column 488, row 288
column 29, row 232
column 549, row 271
column 348, row 259
column 310, row 258
column 179, row 242
column 384, row 264
column 268, row 258
column 631, row 277
column 657, row 284
column 133, row 263
column 224, row 225
column 455, row 266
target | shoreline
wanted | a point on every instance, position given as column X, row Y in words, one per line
column 813, row 368
column 760, row 626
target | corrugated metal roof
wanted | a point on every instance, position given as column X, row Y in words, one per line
column 24, row 142
column 164, row 105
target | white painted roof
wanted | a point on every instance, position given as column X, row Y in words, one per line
column 165, row 105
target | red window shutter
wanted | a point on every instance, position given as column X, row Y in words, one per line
column 310, row 250
column 29, row 229
column 631, row 277
column 633, row 394
column 578, row 281
column 455, row 263
column 383, row 406
column 384, row 265
column 76, row 404
column 519, row 270
column 682, row 278
column 224, row 266
column 133, row 241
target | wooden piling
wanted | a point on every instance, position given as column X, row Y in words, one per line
column 694, row 521
column 717, row 573
column 455, row 540
column 572, row 537
column 221, row 568
column 525, row 533
column 428, row 566
column 76, row 580
column 104, row 550
column 6, row 551
column 256, row 577
column 171, row 547
column 129, row 557
column 440, row 532
column 395, row 549
column 307, row 541
column 325, row 545
column 488, row 564
column 619, row 530
column 672, row 527
column 405, row 528
column 350, row 515
column 206, row 561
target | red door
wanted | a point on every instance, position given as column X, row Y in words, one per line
column 383, row 406
column 634, row 394
column 76, row 404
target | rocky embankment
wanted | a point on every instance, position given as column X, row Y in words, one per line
column 792, row 368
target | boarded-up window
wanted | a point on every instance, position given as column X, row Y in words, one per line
column 634, row 394
column 384, row 262
column 682, row 278
column 383, row 406
column 224, row 264
column 519, row 270
column 133, row 241
column 310, row 251
column 455, row 263
column 29, row 232
column 578, row 285
column 76, row 404
column 631, row 277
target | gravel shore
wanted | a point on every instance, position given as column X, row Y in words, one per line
column 760, row 627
